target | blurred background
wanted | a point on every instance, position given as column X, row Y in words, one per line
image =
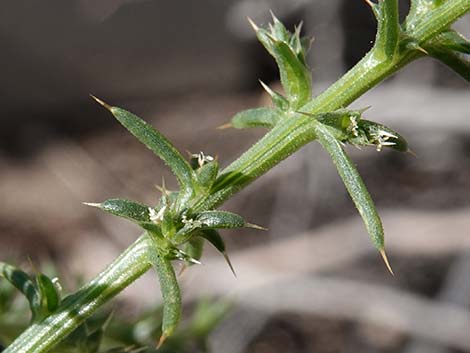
column 313, row 282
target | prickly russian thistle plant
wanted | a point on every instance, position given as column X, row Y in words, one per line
column 178, row 225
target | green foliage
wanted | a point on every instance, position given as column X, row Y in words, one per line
column 388, row 28
column 445, row 45
column 176, row 230
column 289, row 50
column 452, row 49
column 42, row 293
column 176, row 227
column 347, row 126
column 104, row 332
column 353, row 183
column 258, row 117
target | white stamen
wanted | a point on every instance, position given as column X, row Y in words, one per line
column 156, row 217
column 203, row 159
column 354, row 125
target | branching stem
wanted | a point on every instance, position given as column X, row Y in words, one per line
column 275, row 146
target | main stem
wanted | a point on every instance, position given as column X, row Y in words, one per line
column 275, row 146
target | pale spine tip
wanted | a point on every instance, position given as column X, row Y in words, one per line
column 255, row 27
column 224, row 126
column 422, row 50
column 266, row 88
column 384, row 257
column 162, row 339
column 255, row 226
column 229, row 263
column 92, row 204
column 106, row 105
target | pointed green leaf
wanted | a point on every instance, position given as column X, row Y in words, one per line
column 354, row 184
column 372, row 133
column 388, row 28
column 128, row 209
column 278, row 30
column 213, row 237
column 342, row 122
column 170, row 293
column 454, row 41
column 220, row 219
column 294, row 74
column 193, row 249
column 257, row 117
column 131, row 210
column 158, row 144
column 454, row 60
column 348, row 126
column 23, row 282
column 50, row 297
column 207, row 174
column 279, row 101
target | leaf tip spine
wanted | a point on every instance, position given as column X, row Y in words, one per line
column 229, row 263
column 92, row 204
column 104, row 104
column 162, row 339
column 385, row 259
column 255, row 226
column 224, row 126
column 255, row 27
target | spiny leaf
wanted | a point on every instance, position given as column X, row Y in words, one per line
column 220, row 219
column 257, row 117
column 454, row 60
column 207, row 174
column 451, row 49
column 213, row 237
column 41, row 293
column 208, row 220
column 279, row 101
column 354, row 184
column 131, row 210
column 23, row 282
column 193, row 249
column 342, row 122
column 128, row 209
column 348, row 126
column 388, row 27
column 452, row 40
column 48, row 292
column 158, row 144
column 170, row 293
column 372, row 133
column 294, row 74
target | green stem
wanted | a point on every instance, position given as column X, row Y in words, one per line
column 275, row 146
column 286, row 138
column 439, row 19
column 42, row 336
